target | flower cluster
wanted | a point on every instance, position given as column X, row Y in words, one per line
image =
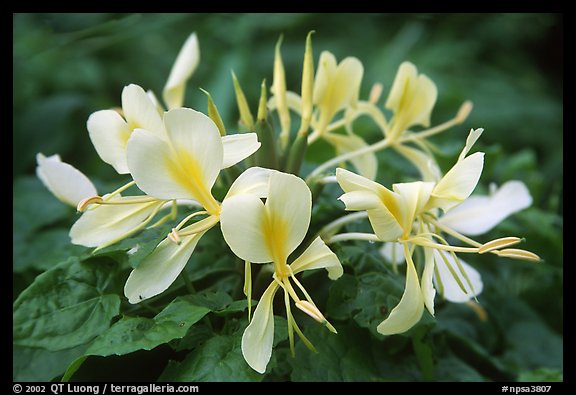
column 175, row 155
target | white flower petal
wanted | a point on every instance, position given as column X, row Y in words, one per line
column 107, row 224
column 109, row 134
column 393, row 252
column 288, row 211
column 259, row 335
column 479, row 214
column 160, row 269
column 67, row 184
column 458, row 183
column 186, row 63
column 238, row 147
column 428, row 291
column 242, row 221
column 409, row 310
column 253, row 181
column 450, row 288
column 361, row 200
column 140, row 111
column 318, row 256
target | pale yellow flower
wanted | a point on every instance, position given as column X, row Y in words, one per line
column 269, row 232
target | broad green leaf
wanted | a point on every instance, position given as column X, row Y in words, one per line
column 45, row 250
column 367, row 299
column 65, row 306
column 139, row 333
column 37, row 364
column 345, row 356
column 451, row 368
column 218, row 359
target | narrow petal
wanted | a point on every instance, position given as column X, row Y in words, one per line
column 160, row 269
column 318, row 256
column 186, row 63
column 288, row 211
column 428, row 291
column 242, row 221
column 140, row 111
column 458, row 183
column 393, row 252
column 67, row 184
column 253, row 181
column 361, row 200
column 109, row 134
column 408, row 311
column 107, row 224
column 259, row 335
column 446, row 282
column 479, row 214
column 238, row 147
column 366, row 165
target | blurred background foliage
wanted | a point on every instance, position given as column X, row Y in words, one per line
column 510, row 66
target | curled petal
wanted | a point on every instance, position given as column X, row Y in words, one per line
column 408, row 311
column 259, row 335
column 67, row 183
column 183, row 68
column 318, row 256
column 238, row 147
column 479, row 214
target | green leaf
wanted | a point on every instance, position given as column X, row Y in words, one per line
column 451, row 368
column 345, row 356
column 65, row 306
column 45, row 250
column 139, row 333
column 367, row 299
column 37, row 364
column 218, row 359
